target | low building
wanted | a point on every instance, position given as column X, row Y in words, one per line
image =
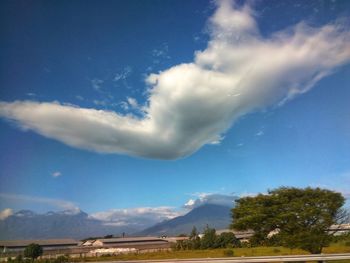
column 48, row 244
column 87, row 243
column 175, row 239
column 129, row 242
column 339, row 229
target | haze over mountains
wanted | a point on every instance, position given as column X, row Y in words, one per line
column 26, row 224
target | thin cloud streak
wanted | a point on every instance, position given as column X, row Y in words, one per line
column 194, row 104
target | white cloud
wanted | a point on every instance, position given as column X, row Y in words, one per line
column 193, row 104
column 25, row 200
column 56, row 174
column 260, row 133
column 5, row 213
column 210, row 198
column 100, row 102
column 133, row 103
column 96, row 83
column 190, row 203
column 136, row 216
column 160, row 53
column 123, row 75
column 124, row 105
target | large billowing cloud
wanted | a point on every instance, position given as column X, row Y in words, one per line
column 211, row 198
column 193, row 104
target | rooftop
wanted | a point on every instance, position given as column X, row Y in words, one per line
column 44, row 242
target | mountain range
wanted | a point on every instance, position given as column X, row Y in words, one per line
column 26, row 224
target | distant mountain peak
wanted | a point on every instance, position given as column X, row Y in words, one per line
column 71, row 212
column 25, row 213
column 215, row 216
column 74, row 223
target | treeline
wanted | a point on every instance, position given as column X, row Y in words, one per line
column 209, row 240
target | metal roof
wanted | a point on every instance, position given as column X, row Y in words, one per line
column 46, row 242
column 129, row 239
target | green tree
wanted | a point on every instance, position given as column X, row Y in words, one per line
column 209, row 238
column 33, row 251
column 194, row 233
column 226, row 240
column 300, row 217
column 195, row 239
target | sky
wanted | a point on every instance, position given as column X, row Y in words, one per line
column 159, row 106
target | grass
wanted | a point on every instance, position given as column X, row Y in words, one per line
column 215, row 253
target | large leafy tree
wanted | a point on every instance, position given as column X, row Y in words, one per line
column 33, row 251
column 300, row 217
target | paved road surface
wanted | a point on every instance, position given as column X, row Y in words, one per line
column 327, row 257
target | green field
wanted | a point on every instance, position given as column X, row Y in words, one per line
column 215, row 253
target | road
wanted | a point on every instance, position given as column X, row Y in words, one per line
column 295, row 258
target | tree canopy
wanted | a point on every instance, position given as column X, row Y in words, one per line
column 209, row 240
column 33, row 251
column 300, row 218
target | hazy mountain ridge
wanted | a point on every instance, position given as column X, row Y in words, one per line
column 216, row 216
column 26, row 224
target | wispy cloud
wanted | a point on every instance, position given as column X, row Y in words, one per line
column 193, row 104
column 79, row 97
column 56, row 174
column 160, row 53
column 133, row 103
column 260, row 133
column 5, row 213
column 123, row 74
column 96, row 83
column 100, row 102
column 24, row 200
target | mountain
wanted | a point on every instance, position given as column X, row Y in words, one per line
column 26, row 224
column 216, row 216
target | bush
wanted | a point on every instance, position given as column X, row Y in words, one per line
column 61, row 259
column 19, row 259
column 347, row 243
column 228, row 253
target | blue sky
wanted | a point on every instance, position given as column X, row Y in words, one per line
column 195, row 98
